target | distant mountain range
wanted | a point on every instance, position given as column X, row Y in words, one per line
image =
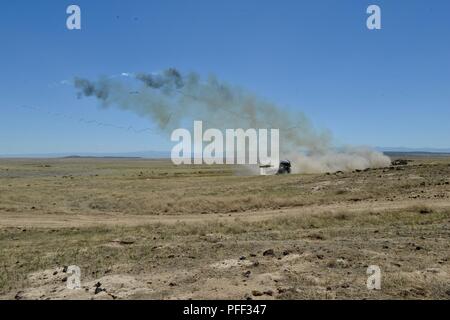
column 414, row 150
column 166, row 154
column 137, row 154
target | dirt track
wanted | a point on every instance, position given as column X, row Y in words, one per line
column 109, row 220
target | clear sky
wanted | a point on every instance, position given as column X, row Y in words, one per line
column 388, row 87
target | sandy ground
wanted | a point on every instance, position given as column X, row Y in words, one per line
column 146, row 230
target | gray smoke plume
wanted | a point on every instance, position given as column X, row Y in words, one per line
column 170, row 78
column 170, row 98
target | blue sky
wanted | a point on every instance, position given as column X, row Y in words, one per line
column 389, row 87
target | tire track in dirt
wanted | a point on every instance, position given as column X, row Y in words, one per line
column 7, row 219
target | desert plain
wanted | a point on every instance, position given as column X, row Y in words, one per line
column 147, row 229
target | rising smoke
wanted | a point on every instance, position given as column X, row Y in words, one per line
column 170, row 98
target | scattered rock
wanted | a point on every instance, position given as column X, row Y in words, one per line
column 231, row 263
column 269, row 252
column 98, row 290
column 18, row 296
column 400, row 162
column 257, row 293
column 268, row 292
column 247, row 273
column 342, row 263
column 316, row 236
column 433, row 270
column 281, row 290
column 125, row 241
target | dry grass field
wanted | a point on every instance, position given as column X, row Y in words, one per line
column 145, row 229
